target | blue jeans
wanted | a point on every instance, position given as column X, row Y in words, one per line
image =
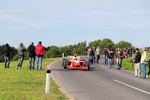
column 144, row 70
column 39, row 59
column 31, row 62
column 7, row 61
column 91, row 59
column 94, row 59
column 109, row 63
column 97, row 58
column 20, row 61
column 105, row 61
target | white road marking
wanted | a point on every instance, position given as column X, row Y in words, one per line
column 131, row 86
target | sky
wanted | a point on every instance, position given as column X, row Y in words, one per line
column 68, row 22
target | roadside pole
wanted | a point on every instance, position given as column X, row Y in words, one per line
column 47, row 81
column 63, row 55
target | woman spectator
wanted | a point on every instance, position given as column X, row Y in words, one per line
column 98, row 53
column 21, row 50
column 110, row 56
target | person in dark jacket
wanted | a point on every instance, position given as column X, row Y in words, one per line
column 7, row 55
column 137, row 63
column 39, row 50
column 149, row 69
column 21, row 50
column 32, row 54
column 94, row 57
column 91, row 56
column 105, row 55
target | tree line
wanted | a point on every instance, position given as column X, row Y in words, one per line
column 80, row 49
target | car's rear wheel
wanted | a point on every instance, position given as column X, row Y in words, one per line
column 87, row 64
column 63, row 61
column 66, row 62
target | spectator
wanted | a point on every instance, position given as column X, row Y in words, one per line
column 149, row 69
column 137, row 63
column 88, row 53
column 104, row 55
column 119, row 58
column 91, row 56
column 98, row 53
column 32, row 54
column 94, row 57
column 21, row 50
column 124, row 51
column 143, row 58
column 39, row 50
column 7, row 55
column 110, row 56
column 128, row 55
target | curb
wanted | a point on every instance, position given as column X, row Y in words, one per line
column 61, row 87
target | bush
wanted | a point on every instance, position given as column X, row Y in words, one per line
column 15, row 58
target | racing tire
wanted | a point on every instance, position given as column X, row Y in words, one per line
column 87, row 64
column 66, row 63
column 63, row 61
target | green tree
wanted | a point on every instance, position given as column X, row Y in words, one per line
column 108, row 43
column 96, row 43
column 124, row 44
column 53, row 52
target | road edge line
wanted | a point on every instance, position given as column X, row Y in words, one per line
column 61, row 87
column 131, row 87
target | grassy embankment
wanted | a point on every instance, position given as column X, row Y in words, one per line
column 25, row 84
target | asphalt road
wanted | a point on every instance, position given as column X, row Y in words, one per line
column 102, row 83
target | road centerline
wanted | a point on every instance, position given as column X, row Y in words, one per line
column 131, row 86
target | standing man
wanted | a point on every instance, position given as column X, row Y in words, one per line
column 118, row 58
column 39, row 50
column 144, row 63
column 32, row 54
column 94, row 57
column 137, row 63
column 104, row 55
column 7, row 55
column 91, row 56
column 21, row 50
column 98, row 53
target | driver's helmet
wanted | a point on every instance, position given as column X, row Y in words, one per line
column 75, row 56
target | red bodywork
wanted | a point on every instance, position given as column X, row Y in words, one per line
column 76, row 64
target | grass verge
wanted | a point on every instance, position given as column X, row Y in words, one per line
column 25, row 84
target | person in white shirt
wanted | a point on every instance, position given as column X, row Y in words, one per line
column 143, row 58
column 98, row 53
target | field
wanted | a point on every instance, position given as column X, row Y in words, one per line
column 25, row 84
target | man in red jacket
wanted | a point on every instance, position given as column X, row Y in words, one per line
column 39, row 50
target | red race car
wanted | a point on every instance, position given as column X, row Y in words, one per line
column 74, row 62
